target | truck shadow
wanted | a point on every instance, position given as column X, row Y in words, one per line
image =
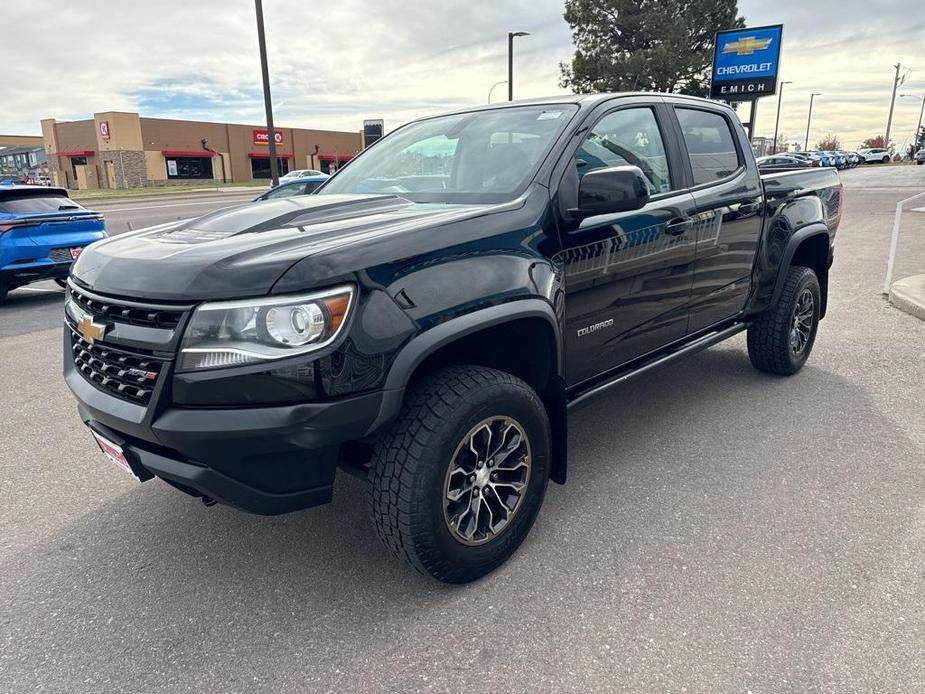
column 184, row 575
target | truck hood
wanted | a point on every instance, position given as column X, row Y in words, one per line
column 242, row 251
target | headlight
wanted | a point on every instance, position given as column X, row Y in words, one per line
column 234, row 333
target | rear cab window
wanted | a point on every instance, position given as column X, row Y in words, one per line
column 710, row 145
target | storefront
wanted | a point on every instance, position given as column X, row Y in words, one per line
column 329, row 163
column 123, row 150
column 260, row 164
column 188, row 164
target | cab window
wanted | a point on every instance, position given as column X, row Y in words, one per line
column 710, row 145
column 629, row 137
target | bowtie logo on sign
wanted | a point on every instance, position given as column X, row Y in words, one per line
column 747, row 46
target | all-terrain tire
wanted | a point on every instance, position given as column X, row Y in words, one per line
column 409, row 470
column 770, row 339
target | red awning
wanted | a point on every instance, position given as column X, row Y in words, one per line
column 266, row 155
column 335, row 157
column 77, row 153
column 187, row 153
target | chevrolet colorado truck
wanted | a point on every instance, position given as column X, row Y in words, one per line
column 430, row 315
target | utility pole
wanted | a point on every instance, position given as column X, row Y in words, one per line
column 809, row 118
column 780, row 97
column 271, row 133
column 510, row 61
column 889, row 120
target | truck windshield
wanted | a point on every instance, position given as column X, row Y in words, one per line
column 481, row 157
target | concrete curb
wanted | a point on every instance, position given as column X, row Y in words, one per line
column 909, row 295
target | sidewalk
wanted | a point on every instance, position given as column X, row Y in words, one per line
column 909, row 295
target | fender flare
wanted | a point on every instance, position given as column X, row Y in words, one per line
column 413, row 354
column 798, row 237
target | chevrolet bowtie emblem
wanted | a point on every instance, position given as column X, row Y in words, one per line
column 91, row 331
column 746, row 45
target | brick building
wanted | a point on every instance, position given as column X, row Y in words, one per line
column 117, row 150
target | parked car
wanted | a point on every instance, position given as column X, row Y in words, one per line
column 838, row 160
column 824, row 158
column 300, row 173
column 42, row 232
column 919, row 157
column 853, row 158
column 429, row 328
column 814, row 159
column 298, row 186
column 875, row 155
column 781, row 162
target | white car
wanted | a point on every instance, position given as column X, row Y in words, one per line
column 300, row 173
column 874, row 155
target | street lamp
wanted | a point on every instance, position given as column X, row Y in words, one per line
column 510, row 61
column 780, row 97
column 496, row 84
column 809, row 118
column 915, row 136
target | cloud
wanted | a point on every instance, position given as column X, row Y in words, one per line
column 332, row 64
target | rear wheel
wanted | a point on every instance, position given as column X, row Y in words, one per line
column 781, row 339
column 884, row 160
column 4, row 290
column 458, row 481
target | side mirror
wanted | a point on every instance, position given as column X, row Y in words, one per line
column 614, row 189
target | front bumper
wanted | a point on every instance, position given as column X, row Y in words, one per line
column 264, row 460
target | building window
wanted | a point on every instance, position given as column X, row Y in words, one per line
column 189, row 167
column 260, row 167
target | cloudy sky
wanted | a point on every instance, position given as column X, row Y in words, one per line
column 332, row 64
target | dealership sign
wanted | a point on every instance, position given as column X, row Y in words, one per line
column 262, row 136
column 104, row 129
column 745, row 63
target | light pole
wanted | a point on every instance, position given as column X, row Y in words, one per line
column 915, row 136
column 780, row 97
column 496, row 84
column 271, row 133
column 510, row 61
column 809, row 118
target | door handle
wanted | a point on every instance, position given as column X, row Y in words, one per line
column 750, row 207
column 676, row 226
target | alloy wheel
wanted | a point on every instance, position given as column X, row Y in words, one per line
column 486, row 480
column 802, row 324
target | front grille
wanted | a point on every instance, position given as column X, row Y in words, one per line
column 60, row 255
column 127, row 375
column 127, row 313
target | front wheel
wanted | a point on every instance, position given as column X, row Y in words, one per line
column 781, row 338
column 458, row 481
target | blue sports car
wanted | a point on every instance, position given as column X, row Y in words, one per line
column 42, row 231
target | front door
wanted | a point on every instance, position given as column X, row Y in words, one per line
column 627, row 276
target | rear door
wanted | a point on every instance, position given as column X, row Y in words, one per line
column 628, row 275
column 727, row 214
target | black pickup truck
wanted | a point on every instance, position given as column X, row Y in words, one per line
column 428, row 318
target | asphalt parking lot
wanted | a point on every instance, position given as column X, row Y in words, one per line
column 722, row 531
